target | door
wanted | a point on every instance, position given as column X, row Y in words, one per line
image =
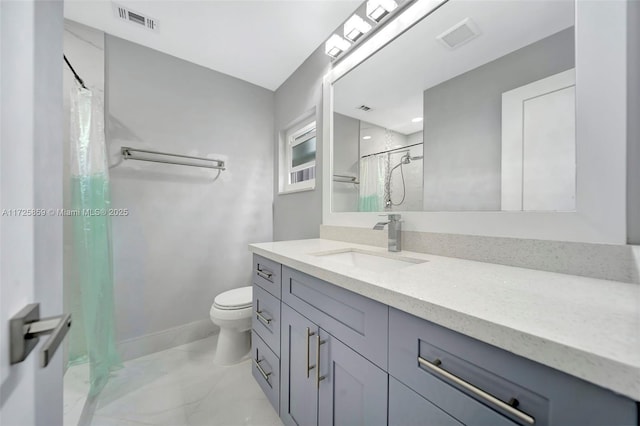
column 539, row 145
column 352, row 390
column 30, row 178
column 298, row 390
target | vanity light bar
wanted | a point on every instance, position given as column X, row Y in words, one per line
column 378, row 9
column 356, row 27
column 335, row 46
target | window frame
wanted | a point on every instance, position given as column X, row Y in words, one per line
column 302, row 128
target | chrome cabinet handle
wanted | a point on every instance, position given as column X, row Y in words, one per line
column 264, row 274
column 262, row 318
column 309, row 367
column 435, row 367
column 261, row 370
column 318, row 376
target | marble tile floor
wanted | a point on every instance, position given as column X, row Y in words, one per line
column 178, row 386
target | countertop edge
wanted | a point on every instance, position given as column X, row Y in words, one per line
column 518, row 342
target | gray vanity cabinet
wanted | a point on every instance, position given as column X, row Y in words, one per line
column 407, row 408
column 265, row 324
column 324, row 381
column 480, row 384
column 358, row 321
column 353, row 391
column 299, row 392
column 339, row 358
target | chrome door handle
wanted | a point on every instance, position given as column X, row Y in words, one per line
column 261, row 370
column 318, row 376
column 263, row 274
column 262, row 318
column 435, row 367
column 25, row 329
column 307, row 366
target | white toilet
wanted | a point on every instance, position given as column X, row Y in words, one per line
column 231, row 311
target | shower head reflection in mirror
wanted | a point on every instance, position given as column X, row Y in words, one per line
column 406, row 159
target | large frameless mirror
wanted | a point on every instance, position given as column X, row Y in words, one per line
column 471, row 109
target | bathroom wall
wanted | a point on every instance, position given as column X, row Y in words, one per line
column 185, row 238
column 84, row 48
column 298, row 215
column 30, row 178
column 463, row 157
column 346, row 146
column 633, row 102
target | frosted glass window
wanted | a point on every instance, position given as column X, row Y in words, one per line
column 304, row 152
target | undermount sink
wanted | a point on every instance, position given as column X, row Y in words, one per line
column 372, row 261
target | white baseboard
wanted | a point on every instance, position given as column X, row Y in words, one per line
column 166, row 339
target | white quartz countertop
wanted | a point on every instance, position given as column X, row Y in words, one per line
column 585, row 327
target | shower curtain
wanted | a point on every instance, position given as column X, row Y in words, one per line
column 372, row 172
column 93, row 335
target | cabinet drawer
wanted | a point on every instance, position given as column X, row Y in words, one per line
column 407, row 408
column 440, row 364
column 266, row 318
column 357, row 321
column 267, row 274
column 265, row 366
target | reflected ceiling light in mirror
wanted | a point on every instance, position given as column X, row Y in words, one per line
column 416, row 119
column 356, row 27
column 335, row 46
column 366, row 138
column 378, row 9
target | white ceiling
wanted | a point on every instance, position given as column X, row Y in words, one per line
column 262, row 42
column 393, row 80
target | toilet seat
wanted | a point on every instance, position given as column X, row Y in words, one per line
column 231, row 300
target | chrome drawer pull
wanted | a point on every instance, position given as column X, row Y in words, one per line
column 435, row 367
column 261, row 370
column 264, row 274
column 262, row 318
column 309, row 367
column 318, row 376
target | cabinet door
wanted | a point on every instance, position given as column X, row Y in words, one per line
column 352, row 390
column 407, row 408
column 299, row 393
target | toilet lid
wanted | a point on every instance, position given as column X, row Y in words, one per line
column 238, row 298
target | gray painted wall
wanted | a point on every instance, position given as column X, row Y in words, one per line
column 346, row 148
column 298, row 215
column 633, row 100
column 185, row 239
column 462, row 124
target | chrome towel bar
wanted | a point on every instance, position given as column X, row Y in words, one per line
column 129, row 153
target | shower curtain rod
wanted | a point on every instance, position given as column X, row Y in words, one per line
column 75, row 74
column 127, row 154
column 393, row 150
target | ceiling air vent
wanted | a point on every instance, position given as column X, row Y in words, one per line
column 129, row 15
column 364, row 108
column 459, row 34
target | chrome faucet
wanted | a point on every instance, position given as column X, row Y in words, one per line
column 395, row 231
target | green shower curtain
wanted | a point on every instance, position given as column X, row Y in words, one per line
column 93, row 335
column 371, row 190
